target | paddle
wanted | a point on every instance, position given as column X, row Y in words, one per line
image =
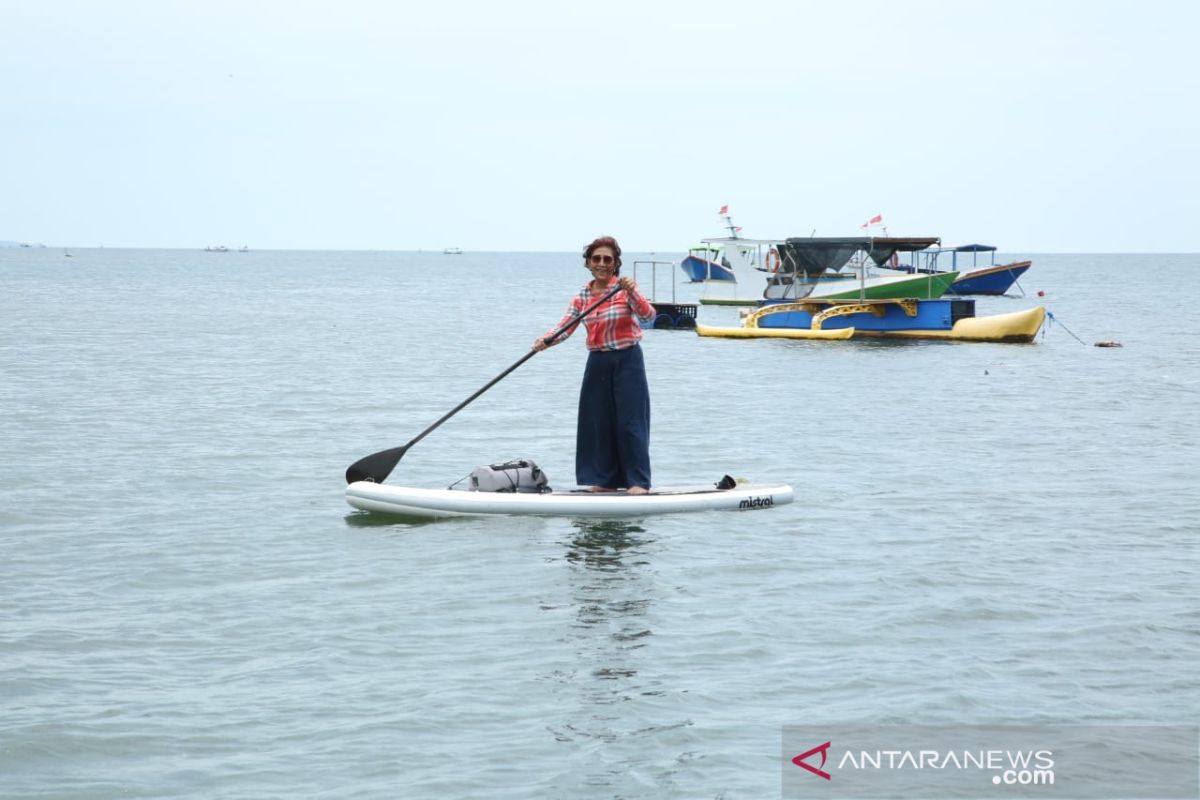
column 377, row 466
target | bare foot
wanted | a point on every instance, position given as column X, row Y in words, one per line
column 600, row 489
column 637, row 490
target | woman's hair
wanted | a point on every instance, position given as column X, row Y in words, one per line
column 604, row 241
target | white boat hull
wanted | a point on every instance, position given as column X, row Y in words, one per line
column 440, row 503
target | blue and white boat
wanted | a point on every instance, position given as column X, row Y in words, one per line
column 705, row 263
column 721, row 258
column 989, row 278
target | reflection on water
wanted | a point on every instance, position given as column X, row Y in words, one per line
column 601, row 544
column 611, row 591
column 382, row 519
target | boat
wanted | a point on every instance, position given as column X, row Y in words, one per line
column 720, row 258
column 419, row 503
column 992, row 280
column 901, row 318
column 883, row 287
column 812, row 267
column 989, row 279
column 703, row 263
column 729, row 301
column 761, row 255
column 743, row 256
column 452, row 251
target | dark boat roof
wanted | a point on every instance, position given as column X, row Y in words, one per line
column 814, row 255
column 972, row 248
column 904, row 244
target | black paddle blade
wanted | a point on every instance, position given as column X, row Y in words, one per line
column 375, row 467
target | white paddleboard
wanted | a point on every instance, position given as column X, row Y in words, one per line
column 439, row 503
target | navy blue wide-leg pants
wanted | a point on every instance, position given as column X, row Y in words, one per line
column 612, row 442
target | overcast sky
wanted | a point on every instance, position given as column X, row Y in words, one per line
column 1047, row 126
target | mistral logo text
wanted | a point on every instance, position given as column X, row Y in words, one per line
column 757, row 502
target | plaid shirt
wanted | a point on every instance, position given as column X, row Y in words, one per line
column 612, row 326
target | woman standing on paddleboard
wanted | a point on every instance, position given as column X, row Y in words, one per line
column 612, row 441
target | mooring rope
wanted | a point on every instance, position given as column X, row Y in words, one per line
column 1050, row 316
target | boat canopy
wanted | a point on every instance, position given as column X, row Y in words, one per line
column 971, row 248
column 740, row 240
column 815, row 255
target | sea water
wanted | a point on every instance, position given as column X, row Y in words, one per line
column 982, row 533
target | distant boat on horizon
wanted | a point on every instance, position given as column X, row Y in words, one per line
column 452, row 251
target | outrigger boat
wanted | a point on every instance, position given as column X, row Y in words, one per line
column 807, row 267
column 801, row 303
column 902, row 318
column 883, row 287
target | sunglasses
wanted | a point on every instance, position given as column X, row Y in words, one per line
column 607, row 261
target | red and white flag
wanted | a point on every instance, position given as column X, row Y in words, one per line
column 875, row 220
column 724, row 210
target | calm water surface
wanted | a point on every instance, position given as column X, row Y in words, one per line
column 982, row 533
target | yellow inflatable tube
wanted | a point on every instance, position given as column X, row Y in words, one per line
column 774, row 333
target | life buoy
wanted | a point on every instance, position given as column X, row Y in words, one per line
column 773, row 260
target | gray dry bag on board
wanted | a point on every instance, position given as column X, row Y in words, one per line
column 512, row 476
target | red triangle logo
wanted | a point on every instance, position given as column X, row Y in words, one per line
column 822, row 749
